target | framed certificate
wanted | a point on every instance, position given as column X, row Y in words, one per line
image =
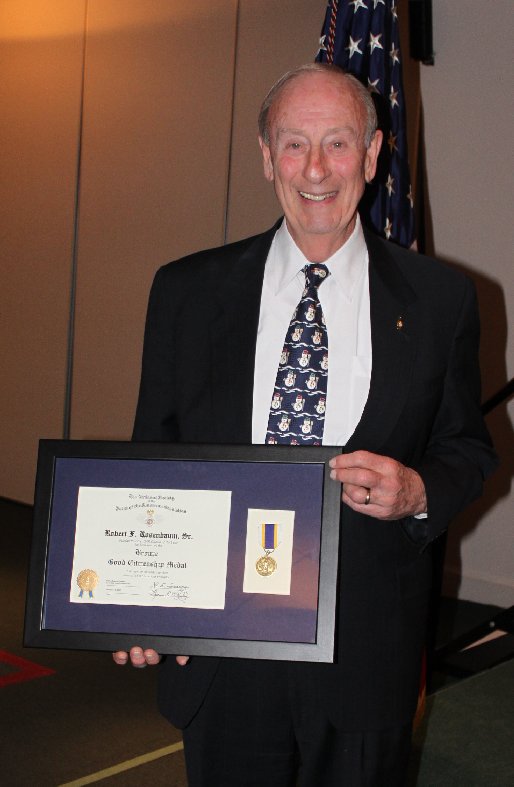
column 189, row 549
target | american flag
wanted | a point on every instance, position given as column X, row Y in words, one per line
column 362, row 36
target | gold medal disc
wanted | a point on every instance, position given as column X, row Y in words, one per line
column 266, row 566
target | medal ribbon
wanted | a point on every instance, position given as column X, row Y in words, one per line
column 269, row 538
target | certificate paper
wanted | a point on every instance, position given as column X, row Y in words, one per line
column 151, row 547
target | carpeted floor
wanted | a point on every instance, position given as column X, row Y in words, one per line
column 466, row 739
column 74, row 718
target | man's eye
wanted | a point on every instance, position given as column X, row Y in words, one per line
column 338, row 145
column 295, row 145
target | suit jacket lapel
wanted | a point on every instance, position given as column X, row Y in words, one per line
column 233, row 340
column 393, row 339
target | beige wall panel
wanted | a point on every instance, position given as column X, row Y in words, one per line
column 41, row 67
column 274, row 36
column 156, row 132
column 470, row 163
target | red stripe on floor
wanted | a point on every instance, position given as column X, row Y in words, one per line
column 24, row 670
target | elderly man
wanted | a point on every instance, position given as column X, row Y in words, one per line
column 393, row 339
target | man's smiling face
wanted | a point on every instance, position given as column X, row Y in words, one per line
column 318, row 161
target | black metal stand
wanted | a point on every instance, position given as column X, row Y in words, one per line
column 462, row 657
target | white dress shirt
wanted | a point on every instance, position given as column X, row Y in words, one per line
column 344, row 298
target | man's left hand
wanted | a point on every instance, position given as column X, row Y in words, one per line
column 392, row 491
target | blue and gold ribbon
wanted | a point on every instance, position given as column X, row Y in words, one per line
column 269, row 537
column 266, row 565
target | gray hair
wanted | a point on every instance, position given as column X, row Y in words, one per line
column 360, row 92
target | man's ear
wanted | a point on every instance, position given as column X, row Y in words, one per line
column 370, row 162
column 266, row 160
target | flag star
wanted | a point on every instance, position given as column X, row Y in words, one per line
column 358, row 4
column 410, row 196
column 372, row 86
column 393, row 97
column 322, row 47
column 354, row 47
column 389, row 185
column 394, row 12
column 376, row 2
column 388, row 229
column 394, row 54
column 374, row 42
column 391, row 141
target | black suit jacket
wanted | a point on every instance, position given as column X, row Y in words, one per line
column 423, row 410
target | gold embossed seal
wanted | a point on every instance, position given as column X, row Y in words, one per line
column 87, row 581
column 266, row 566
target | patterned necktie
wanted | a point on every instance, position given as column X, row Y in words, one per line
column 297, row 413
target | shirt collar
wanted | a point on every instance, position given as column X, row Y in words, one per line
column 346, row 265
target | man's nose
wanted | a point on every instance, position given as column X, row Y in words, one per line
column 316, row 166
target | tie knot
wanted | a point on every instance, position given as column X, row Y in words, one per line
column 315, row 273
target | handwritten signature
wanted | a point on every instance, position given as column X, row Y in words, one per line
column 163, row 590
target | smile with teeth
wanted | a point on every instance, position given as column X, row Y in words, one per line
column 317, row 197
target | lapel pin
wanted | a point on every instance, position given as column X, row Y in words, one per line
column 399, row 323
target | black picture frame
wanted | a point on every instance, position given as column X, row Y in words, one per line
column 299, row 627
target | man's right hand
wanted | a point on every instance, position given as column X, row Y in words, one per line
column 141, row 658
